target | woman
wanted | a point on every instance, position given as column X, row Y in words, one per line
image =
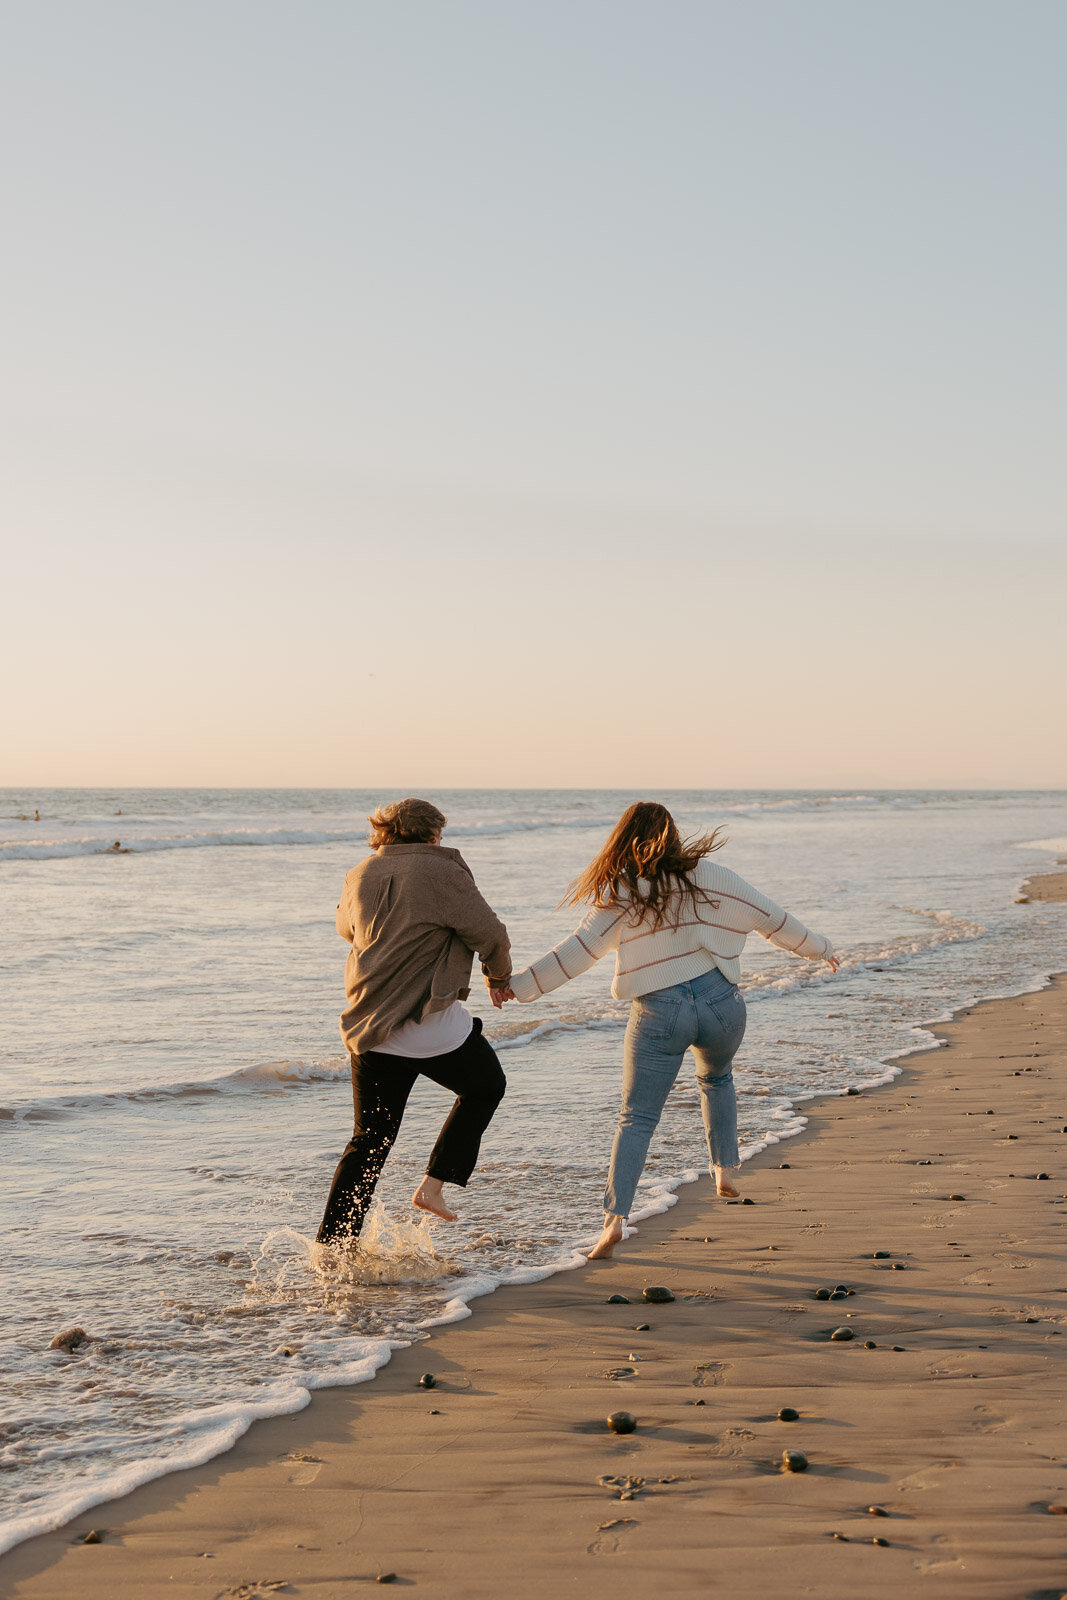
column 677, row 923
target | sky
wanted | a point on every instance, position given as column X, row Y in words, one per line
column 570, row 393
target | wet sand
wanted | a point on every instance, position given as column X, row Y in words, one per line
column 504, row 1480
column 1046, row 886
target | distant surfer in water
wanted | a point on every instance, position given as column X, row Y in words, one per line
column 414, row 919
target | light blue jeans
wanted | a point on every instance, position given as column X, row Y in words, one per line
column 706, row 1015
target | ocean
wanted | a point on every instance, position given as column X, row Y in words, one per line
column 174, row 1097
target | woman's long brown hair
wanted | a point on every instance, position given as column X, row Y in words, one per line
column 645, row 843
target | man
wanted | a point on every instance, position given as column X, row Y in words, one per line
column 414, row 918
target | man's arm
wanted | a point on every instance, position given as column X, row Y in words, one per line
column 462, row 907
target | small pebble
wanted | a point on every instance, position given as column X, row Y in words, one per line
column 898, row 1266
column 794, row 1461
column 842, row 1334
column 841, row 1288
column 435, row 1413
column 1033, row 1319
column 877, row 1511
column 869, row 1344
column 839, row 1294
column 842, row 1536
column 617, row 1300
column 748, row 1201
column 70, row 1339
column 783, row 1166
column 1058, row 1511
column 788, row 1414
column 94, row 1536
column 698, row 1402
column 427, row 1381
column 1042, row 1174
column 643, row 1327
column 883, row 1542
column 822, row 1294
column 880, row 1255
column 957, row 1197
column 657, row 1295
column 622, row 1422
column 899, row 1348
column 852, row 1091
column 386, row 1577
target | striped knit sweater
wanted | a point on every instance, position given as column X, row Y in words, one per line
column 709, row 933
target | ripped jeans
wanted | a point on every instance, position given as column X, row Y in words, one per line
column 706, row 1015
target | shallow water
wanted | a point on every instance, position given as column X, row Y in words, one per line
column 174, row 1096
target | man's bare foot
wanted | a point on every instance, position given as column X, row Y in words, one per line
column 611, row 1236
column 428, row 1197
column 725, row 1186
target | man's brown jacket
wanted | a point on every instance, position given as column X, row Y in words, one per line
column 414, row 918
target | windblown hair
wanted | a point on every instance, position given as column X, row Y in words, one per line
column 405, row 822
column 645, row 843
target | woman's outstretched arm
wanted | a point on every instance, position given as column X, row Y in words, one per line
column 596, row 935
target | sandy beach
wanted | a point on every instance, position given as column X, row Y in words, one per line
column 935, row 1436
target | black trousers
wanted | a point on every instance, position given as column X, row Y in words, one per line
column 380, row 1088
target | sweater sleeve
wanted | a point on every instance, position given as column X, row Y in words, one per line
column 596, row 934
column 779, row 927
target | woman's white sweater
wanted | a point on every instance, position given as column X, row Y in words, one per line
column 709, row 932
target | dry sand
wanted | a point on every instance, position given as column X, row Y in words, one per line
column 504, row 1481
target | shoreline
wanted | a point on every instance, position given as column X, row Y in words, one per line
column 338, row 1418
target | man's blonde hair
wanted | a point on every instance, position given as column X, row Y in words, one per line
column 405, row 822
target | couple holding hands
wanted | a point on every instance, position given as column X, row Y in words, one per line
column 414, row 918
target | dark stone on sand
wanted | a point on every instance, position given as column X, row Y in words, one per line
column 386, row 1577
column 783, row 1166
column 852, row 1091
column 788, row 1414
column 883, row 1542
column 94, row 1536
column 880, row 1255
column 898, row 1266
column 841, row 1334
column 435, row 1413
column 877, row 1511
column 1058, row 1511
column 899, row 1348
column 427, row 1381
column 748, row 1201
column 839, row 1294
column 842, row 1536
column 643, row 1327
column 841, row 1288
column 822, row 1294
column 1013, row 1135
column 70, row 1339
column 869, row 1344
column 698, row 1402
column 1042, row 1175
column 287, row 1352
column 622, row 1422
column 957, row 1197
column 658, row 1295
column 794, row 1461
column 1033, row 1319
column 617, row 1300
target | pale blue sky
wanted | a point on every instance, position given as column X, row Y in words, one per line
column 640, row 392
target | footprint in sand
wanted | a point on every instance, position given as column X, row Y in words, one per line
column 608, row 1541
column 709, row 1374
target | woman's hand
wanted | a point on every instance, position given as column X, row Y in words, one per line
column 500, row 996
column 833, row 962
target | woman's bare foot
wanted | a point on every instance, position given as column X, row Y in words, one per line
column 611, row 1236
column 725, row 1186
column 428, row 1197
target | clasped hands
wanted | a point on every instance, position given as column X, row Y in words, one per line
column 500, row 995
